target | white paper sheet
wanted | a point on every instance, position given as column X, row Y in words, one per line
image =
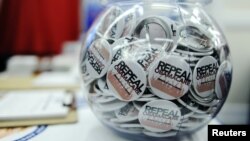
column 33, row 104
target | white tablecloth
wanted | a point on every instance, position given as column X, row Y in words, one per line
column 88, row 128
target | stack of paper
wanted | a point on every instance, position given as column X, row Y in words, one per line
column 22, row 65
column 37, row 105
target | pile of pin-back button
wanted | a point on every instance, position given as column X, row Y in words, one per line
column 153, row 75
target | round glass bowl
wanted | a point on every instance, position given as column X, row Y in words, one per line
column 155, row 70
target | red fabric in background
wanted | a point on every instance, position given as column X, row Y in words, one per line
column 37, row 26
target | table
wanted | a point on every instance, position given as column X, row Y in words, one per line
column 88, row 128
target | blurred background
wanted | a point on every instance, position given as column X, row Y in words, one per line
column 232, row 17
column 44, row 37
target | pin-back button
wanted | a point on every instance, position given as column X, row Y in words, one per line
column 127, row 80
column 156, row 27
column 170, row 77
column 204, row 76
column 223, row 79
column 99, row 57
column 112, row 24
column 127, row 113
column 130, row 20
column 195, row 38
column 159, row 116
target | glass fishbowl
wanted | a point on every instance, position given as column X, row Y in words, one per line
column 155, row 70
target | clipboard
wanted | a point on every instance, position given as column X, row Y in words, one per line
column 70, row 118
column 25, row 120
